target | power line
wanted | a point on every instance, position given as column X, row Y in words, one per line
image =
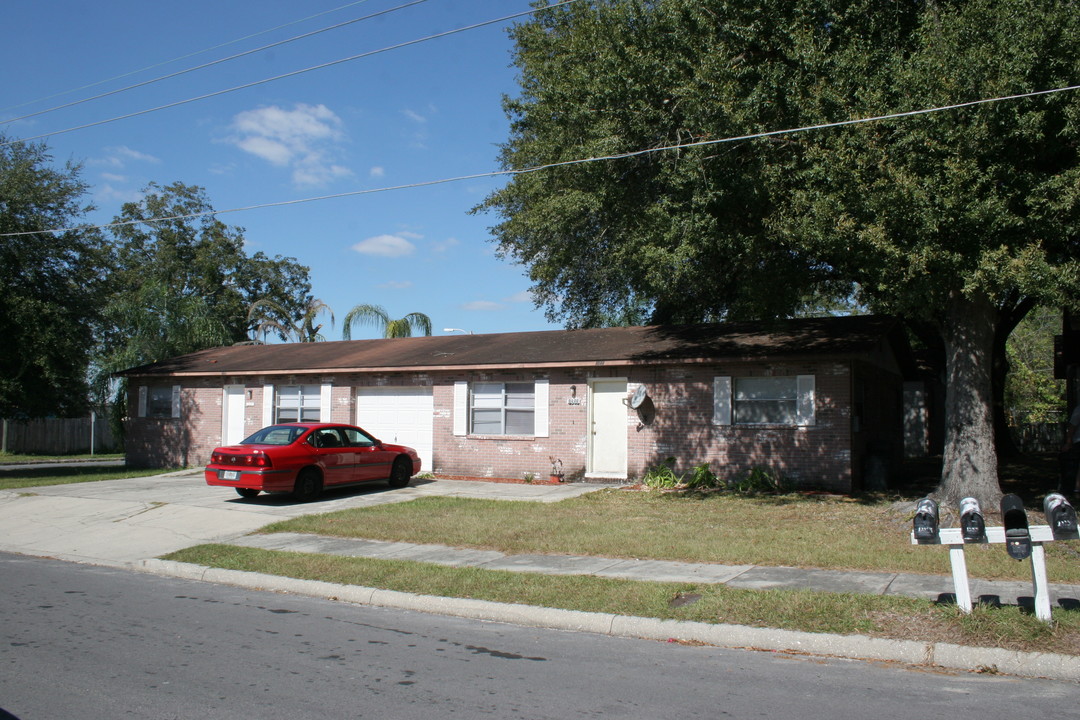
column 565, row 163
column 182, row 57
column 294, row 73
column 215, row 62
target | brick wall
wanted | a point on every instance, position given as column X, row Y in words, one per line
column 679, row 423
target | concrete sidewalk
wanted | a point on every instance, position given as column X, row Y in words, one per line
column 751, row 577
column 131, row 522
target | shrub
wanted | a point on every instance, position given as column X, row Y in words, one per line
column 662, row 475
column 759, row 481
column 703, row 478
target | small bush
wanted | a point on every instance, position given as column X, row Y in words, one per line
column 759, row 481
column 662, row 476
column 703, row 478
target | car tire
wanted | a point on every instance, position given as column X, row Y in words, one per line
column 308, row 485
column 247, row 492
column 400, row 473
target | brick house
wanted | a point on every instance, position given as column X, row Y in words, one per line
column 813, row 399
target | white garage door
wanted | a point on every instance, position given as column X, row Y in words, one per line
column 403, row 415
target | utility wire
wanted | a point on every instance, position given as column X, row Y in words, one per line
column 294, row 73
column 182, row 57
column 215, row 62
column 565, row 163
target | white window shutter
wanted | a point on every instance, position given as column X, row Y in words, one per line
column 326, row 394
column 541, row 390
column 805, row 407
column 722, row 400
column 268, row 405
column 176, row 401
column 461, row 407
column 143, row 392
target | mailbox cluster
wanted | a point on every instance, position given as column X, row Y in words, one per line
column 1020, row 540
column 1060, row 516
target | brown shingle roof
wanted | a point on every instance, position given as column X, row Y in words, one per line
column 610, row 346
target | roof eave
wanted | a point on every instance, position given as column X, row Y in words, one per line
column 493, row 367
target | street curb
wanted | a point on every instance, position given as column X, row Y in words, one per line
column 856, row 647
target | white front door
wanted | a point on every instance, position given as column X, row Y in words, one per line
column 232, row 415
column 402, row 415
column 607, row 423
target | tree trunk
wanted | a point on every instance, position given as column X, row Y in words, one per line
column 969, row 467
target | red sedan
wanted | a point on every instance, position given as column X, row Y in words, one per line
column 304, row 458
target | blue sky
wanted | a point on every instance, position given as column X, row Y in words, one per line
column 419, row 113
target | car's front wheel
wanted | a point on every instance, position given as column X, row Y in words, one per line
column 308, row 485
column 400, row 473
column 247, row 492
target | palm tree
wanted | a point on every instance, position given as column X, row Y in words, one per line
column 274, row 318
column 376, row 315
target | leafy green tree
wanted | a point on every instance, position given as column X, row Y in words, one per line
column 51, row 284
column 1032, row 394
column 376, row 315
column 181, row 281
column 272, row 317
column 959, row 221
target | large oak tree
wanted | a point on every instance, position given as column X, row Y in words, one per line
column 182, row 281
column 50, row 284
column 959, row 221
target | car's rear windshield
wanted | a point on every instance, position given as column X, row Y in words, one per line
column 274, row 435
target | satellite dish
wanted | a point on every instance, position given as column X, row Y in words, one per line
column 639, row 396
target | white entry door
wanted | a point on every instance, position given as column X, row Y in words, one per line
column 232, row 415
column 607, row 422
column 402, row 415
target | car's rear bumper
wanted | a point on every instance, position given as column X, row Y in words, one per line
column 269, row 480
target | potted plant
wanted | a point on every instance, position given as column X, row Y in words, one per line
column 556, row 469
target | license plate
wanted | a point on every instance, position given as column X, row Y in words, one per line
column 230, row 474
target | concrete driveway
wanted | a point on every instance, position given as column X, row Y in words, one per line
column 121, row 522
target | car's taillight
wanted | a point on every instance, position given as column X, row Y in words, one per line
column 257, row 460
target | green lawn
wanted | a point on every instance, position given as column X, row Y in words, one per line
column 797, row 530
column 20, row 458
column 792, row 530
column 808, row 611
column 63, row 474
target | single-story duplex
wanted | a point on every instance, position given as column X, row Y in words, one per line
column 814, row 399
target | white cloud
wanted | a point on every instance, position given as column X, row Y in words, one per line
column 414, row 116
column 377, row 172
column 445, row 245
column 118, row 156
column 396, row 285
column 306, row 138
column 385, row 246
column 128, row 154
column 482, row 306
column 525, row 296
column 108, row 193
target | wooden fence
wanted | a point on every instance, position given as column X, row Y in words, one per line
column 1039, row 437
column 59, row 436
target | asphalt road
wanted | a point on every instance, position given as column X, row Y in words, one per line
column 93, row 642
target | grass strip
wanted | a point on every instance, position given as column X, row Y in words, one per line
column 60, row 475
column 19, row 458
column 808, row 611
column 791, row 530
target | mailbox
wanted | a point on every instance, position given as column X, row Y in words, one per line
column 1017, row 534
column 972, row 523
column 1060, row 516
column 926, row 520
